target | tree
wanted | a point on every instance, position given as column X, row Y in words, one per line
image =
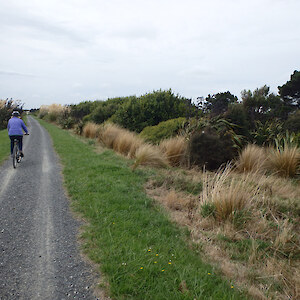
column 290, row 93
column 261, row 105
column 218, row 103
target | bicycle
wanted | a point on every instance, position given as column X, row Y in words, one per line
column 16, row 156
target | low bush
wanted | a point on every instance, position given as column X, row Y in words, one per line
column 164, row 130
column 210, row 149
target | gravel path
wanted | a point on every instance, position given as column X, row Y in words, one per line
column 39, row 257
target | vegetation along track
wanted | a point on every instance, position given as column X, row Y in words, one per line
column 141, row 253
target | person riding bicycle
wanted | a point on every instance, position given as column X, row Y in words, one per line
column 15, row 129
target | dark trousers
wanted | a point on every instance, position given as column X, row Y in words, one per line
column 20, row 140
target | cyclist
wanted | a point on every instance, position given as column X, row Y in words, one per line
column 15, row 129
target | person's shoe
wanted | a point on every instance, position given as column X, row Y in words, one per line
column 21, row 153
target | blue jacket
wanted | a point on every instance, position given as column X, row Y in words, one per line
column 15, row 126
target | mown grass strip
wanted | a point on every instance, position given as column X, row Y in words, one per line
column 142, row 254
column 4, row 145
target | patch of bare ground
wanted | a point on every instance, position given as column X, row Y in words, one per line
column 248, row 226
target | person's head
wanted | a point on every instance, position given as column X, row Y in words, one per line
column 15, row 113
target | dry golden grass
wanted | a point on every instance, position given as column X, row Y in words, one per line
column 136, row 143
column 175, row 149
column 227, row 194
column 252, row 159
column 151, row 156
column 284, row 162
column 177, row 201
column 126, row 143
column 91, row 130
column 53, row 111
column 109, row 133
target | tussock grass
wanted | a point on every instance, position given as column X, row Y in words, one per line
column 174, row 149
column 228, row 195
column 109, row 133
column 91, row 130
column 252, row 159
column 150, row 155
column 53, row 111
column 126, row 143
column 284, row 161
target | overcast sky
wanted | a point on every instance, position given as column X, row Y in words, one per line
column 68, row 51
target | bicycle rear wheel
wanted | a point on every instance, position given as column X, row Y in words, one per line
column 14, row 156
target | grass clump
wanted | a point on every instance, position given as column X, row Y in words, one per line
column 109, row 133
column 252, row 159
column 91, row 130
column 127, row 143
column 227, row 195
column 284, row 161
column 150, row 155
column 141, row 253
column 175, row 149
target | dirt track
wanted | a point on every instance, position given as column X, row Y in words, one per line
column 39, row 257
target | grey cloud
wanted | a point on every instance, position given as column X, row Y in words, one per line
column 42, row 28
column 9, row 73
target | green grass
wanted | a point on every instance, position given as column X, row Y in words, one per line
column 4, row 145
column 140, row 252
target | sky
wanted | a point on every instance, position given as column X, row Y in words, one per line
column 69, row 51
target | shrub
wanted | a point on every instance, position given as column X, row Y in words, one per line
column 174, row 149
column 163, row 130
column 6, row 109
column 150, row 155
column 91, row 130
column 210, row 149
column 151, row 109
column 293, row 122
column 252, row 159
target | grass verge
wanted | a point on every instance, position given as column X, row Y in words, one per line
column 141, row 253
column 4, row 145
